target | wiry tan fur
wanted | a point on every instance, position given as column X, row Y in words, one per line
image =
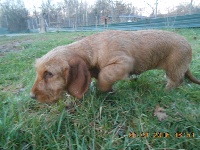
column 111, row 56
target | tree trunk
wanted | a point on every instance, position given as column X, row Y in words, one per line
column 42, row 23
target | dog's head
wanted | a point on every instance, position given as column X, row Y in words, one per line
column 58, row 75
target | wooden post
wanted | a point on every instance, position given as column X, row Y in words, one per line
column 42, row 23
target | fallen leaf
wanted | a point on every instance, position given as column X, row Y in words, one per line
column 160, row 113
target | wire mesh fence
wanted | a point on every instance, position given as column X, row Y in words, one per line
column 186, row 21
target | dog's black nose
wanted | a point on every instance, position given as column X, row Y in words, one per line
column 33, row 96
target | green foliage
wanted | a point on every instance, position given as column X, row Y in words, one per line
column 101, row 121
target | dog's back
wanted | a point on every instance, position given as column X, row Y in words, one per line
column 150, row 49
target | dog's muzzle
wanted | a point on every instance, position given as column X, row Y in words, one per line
column 33, row 96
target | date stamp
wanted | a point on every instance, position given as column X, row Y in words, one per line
column 161, row 135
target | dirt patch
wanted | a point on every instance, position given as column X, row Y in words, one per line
column 21, row 44
column 13, row 89
column 13, row 46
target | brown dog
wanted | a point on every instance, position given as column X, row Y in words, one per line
column 111, row 56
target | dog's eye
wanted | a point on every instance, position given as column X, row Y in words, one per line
column 48, row 75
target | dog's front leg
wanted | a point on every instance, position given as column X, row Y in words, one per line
column 110, row 74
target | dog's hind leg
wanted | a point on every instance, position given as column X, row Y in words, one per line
column 176, row 65
column 175, row 77
column 173, row 83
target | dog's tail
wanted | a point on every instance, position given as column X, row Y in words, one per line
column 189, row 75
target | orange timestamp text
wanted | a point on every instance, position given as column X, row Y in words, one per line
column 161, row 135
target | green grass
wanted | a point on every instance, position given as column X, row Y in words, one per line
column 102, row 121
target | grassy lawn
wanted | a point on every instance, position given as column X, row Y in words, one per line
column 123, row 120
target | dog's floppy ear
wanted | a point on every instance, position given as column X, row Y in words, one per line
column 78, row 77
